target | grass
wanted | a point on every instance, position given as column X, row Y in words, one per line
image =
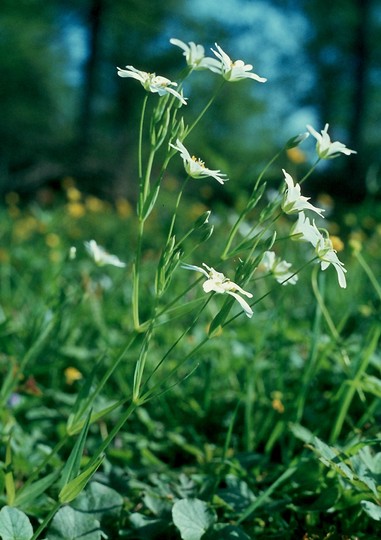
column 149, row 395
column 268, row 431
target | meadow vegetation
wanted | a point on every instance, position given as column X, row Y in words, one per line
column 175, row 368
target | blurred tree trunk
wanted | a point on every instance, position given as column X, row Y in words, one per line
column 340, row 50
column 94, row 25
column 360, row 71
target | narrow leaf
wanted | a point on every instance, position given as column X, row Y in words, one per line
column 71, row 490
column 73, row 463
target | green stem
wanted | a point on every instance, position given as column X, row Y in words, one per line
column 140, row 365
column 147, row 177
column 46, row 521
column 246, row 210
column 135, row 278
column 115, row 430
column 311, row 366
column 35, row 474
column 172, row 225
column 140, row 148
column 310, row 171
column 150, row 392
column 354, row 385
column 368, row 272
column 204, row 110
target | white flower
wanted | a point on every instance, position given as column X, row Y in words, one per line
column 195, row 55
column 152, row 82
column 217, row 282
column 293, row 201
column 195, row 167
column 327, row 255
column 234, row 71
column 100, row 255
column 327, row 149
column 279, row 268
column 305, row 231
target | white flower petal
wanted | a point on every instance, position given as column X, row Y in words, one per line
column 325, row 148
column 244, row 305
column 100, row 255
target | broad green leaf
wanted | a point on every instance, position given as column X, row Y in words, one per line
column 14, row 524
column 193, row 518
column 70, row 524
column 373, row 510
column 99, row 500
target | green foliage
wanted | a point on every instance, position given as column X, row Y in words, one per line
column 193, row 518
column 151, row 396
column 14, row 524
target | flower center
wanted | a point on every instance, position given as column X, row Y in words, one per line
column 198, row 161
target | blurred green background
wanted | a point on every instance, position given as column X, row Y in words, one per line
column 64, row 112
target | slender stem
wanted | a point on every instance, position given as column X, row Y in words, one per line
column 136, row 275
column 274, row 158
column 182, row 335
column 246, row 210
column 354, row 384
column 140, row 148
column 174, row 216
column 115, row 430
column 46, row 521
column 141, row 363
column 147, row 177
column 42, row 465
column 204, row 110
column 87, row 403
column 368, row 272
column 310, row 171
column 311, row 366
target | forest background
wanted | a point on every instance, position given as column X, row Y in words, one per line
column 64, row 112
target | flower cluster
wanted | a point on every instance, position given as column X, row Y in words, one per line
column 196, row 59
column 292, row 202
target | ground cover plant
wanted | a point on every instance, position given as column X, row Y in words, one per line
column 186, row 372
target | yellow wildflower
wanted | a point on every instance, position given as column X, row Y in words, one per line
column 123, row 207
column 52, row 240
column 73, row 194
column 94, row 204
column 337, row 243
column 76, row 209
column 296, row 155
column 72, row 374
